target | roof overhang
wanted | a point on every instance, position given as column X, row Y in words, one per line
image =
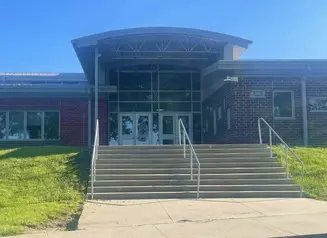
column 291, row 67
column 174, row 45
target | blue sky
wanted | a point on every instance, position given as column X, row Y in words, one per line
column 36, row 34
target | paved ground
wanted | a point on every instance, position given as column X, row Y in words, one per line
column 200, row 218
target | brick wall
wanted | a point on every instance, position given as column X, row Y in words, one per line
column 317, row 121
column 73, row 116
column 216, row 100
column 245, row 111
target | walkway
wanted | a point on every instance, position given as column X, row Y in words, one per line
column 200, row 218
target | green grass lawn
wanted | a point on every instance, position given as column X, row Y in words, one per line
column 315, row 169
column 41, row 186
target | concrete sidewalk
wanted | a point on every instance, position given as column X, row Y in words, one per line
column 200, row 218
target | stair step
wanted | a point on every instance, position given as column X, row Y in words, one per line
column 106, row 159
column 209, row 154
column 181, row 151
column 167, row 147
column 191, row 182
column 267, row 175
column 187, row 170
column 186, row 165
column 177, row 188
column 214, row 194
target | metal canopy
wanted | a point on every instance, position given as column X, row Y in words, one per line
column 148, row 45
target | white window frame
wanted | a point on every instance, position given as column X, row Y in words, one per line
column 25, row 125
column 228, row 118
column 293, row 104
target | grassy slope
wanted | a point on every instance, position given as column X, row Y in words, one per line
column 315, row 164
column 39, row 185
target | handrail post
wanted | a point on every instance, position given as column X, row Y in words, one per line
column 191, row 162
column 286, row 158
column 259, row 129
column 270, row 143
column 179, row 133
column 198, row 185
column 184, row 144
column 302, row 181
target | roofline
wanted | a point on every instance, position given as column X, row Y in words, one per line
column 266, row 64
column 92, row 40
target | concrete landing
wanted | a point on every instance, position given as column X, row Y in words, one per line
column 200, row 218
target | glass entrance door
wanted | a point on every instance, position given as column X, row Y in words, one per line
column 169, row 127
column 134, row 129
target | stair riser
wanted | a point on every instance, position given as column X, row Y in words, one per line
column 191, row 182
column 186, row 171
column 184, row 165
column 181, row 151
column 187, row 176
column 202, row 195
column 173, row 147
column 109, row 160
column 103, row 155
column 193, row 188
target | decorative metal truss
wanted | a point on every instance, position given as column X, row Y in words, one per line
column 160, row 46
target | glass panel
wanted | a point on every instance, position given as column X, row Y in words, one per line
column 186, row 123
column 154, row 80
column 34, row 125
column 135, row 96
column 155, row 106
column 175, row 96
column 143, row 130
column 196, row 96
column 16, row 126
column 196, row 81
column 283, row 104
column 197, row 107
column 51, row 125
column 181, row 107
column 3, row 125
column 155, row 96
column 113, row 97
column 197, row 128
column 113, row 106
column 175, row 81
column 113, row 129
column 134, row 81
column 113, row 80
column 127, row 130
column 167, row 125
column 135, row 107
column 155, row 129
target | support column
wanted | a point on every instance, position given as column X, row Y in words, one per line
column 304, row 111
column 89, row 122
column 96, row 85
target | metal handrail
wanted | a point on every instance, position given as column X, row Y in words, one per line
column 181, row 128
column 94, row 156
column 287, row 148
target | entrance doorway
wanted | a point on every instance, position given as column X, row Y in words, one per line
column 169, row 126
column 134, row 128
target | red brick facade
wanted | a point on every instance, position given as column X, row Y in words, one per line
column 73, row 116
column 245, row 112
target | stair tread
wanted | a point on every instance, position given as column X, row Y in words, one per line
column 186, row 185
column 184, row 180
column 201, row 192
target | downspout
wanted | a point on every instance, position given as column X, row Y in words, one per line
column 89, row 121
column 96, row 85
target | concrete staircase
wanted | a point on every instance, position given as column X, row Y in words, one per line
column 227, row 171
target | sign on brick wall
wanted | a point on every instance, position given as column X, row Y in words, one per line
column 318, row 104
column 257, row 94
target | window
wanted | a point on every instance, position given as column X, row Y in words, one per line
column 51, row 125
column 283, row 102
column 30, row 125
column 214, row 115
column 228, row 118
column 219, row 113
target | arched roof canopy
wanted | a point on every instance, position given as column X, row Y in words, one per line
column 181, row 46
